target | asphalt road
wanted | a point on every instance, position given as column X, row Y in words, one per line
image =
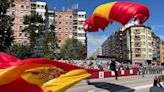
column 123, row 84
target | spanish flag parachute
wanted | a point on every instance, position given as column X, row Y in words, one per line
column 120, row 12
column 38, row 75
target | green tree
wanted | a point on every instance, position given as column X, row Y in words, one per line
column 21, row 51
column 35, row 27
column 50, row 45
column 72, row 49
column 6, row 33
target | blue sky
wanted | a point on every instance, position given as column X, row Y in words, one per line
column 155, row 21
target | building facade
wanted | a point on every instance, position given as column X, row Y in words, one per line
column 131, row 43
column 162, row 51
column 137, row 44
column 19, row 9
column 69, row 24
column 51, row 18
column 39, row 7
column 97, row 52
column 156, row 47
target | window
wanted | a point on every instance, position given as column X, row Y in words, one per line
column 27, row 7
column 25, row 35
column 13, row 13
column 60, row 29
column 59, row 41
column 56, row 16
column 22, row 6
column 21, row 20
column 70, row 29
column 21, row 27
column 38, row 6
column 66, row 23
column 66, row 17
column 81, row 34
column 137, row 31
column 70, row 23
column 60, row 16
column 60, row 22
column 22, row 14
column 138, row 55
column 20, row 34
column 66, row 29
column 43, row 6
column 25, row 42
column 70, row 17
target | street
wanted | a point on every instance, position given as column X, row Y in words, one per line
column 123, row 84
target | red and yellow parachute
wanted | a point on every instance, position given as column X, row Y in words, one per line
column 120, row 12
column 38, row 75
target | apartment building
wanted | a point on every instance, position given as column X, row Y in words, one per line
column 40, row 7
column 69, row 24
column 51, row 18
column 97, row 52
column 106, row 47
column 156, row 47
column 162, row 51
column 138, row 44
column 131, row 43
column 19, row 9
column 112, row 47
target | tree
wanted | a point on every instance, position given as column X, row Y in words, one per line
column 35, row 27
column 72, row 49
column 50, row 45
column 6, row 33
column 21, row 51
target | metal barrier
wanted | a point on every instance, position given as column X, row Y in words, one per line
column 150, row 70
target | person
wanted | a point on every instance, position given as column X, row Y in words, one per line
column 157, row 82
column 88, row 81
column 113, row 68
column 142, row 70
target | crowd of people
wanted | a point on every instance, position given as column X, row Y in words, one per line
column 96, row 64
column 106, row 65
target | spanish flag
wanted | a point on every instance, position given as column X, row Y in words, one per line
column 38, row 74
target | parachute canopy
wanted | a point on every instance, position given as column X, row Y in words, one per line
column 120, row 12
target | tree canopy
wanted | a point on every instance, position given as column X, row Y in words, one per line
column 6, row 32
column 72, row 49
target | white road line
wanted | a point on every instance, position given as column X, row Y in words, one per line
column 141, row 87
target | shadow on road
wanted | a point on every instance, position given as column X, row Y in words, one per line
column 111, row 87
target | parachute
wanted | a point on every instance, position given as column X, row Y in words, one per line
column 120, row 12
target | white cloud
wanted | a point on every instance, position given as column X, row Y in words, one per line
column 95, row 41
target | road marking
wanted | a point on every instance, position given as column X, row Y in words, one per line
column 141, row 87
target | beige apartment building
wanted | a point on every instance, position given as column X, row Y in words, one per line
column 141, row 48
column 19, row 9
column 162, row 52
column 69, row 24
column 131, row 43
